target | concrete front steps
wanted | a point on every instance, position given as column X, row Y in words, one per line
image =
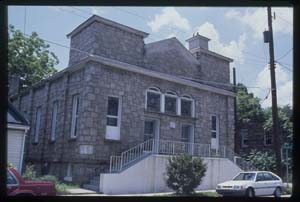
column 93, row 184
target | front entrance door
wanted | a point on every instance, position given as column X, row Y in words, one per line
column 151, row 131
column 187, row 136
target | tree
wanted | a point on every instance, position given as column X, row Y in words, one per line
column 262, row 160
column 184, row 173
column 248, row 106
column 285, row 122
column 29, row 57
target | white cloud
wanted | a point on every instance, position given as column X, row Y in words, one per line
column 256, row 20
column 169, row 17
column 283, row 83
column 233, row 49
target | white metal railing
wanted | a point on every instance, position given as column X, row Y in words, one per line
column 167, row 147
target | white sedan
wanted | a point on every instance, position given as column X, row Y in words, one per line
column 256, row 183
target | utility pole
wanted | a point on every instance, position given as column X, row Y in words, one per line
column 268, row 36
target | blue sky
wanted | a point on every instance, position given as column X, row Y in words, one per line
column 234, row 32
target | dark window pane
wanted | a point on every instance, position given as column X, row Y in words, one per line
column 260, row 177
column 267, row 176
column 186, row 107
column 149, row 126
column 113, row 105
column 153, row 101
column 214, row 123
column 185, row 134
column 170, row 105
column 213, row 134
column 112, row 121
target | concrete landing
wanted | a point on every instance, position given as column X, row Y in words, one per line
column 80, row 191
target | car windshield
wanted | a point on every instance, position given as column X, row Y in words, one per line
column 245, row 176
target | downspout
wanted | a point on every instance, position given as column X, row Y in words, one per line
column 22, row 150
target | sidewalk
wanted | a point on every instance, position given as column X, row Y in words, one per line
column 85, row 192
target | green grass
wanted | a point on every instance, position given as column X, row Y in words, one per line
column 287, row 190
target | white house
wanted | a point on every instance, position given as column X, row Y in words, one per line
column 17, row 127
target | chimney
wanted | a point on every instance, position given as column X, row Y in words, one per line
column 197, row 42
column 14, row 85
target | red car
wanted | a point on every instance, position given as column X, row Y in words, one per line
column 17, row 186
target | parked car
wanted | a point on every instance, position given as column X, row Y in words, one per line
column 17, row 186
column 252, row 184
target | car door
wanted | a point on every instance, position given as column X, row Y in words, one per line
column 260, row 185
column 270, row 183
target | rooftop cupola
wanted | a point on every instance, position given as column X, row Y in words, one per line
column 196, row 42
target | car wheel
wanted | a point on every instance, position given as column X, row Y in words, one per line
column 277, row 192
column 250, row 193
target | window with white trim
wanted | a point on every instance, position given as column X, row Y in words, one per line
column 268, row 139
column 154, row 99
column 186, row 132
column 112, row 111
column 171, row 103
column 75, row 104
column 244, row 137
column 187, row 106
column 213, row 129
column 37, row 124
column 54, row 120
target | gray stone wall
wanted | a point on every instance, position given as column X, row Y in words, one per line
column 213, row 68
column 107, row 41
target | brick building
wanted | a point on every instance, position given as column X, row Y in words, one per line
column 118, row 92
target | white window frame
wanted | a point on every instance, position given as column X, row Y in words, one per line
column 265, row 138
column 156, row 90
column 54, row 120
column 171, row 95
column 37, row 124
column 215, row 142
column 118, row 127
column 243, row 137
column 74, row 117
column 188, row 98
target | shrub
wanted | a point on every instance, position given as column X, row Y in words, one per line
column 29, row 173
column 50, row 178
column 184, row 173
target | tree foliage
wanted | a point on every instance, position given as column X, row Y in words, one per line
column 29, row 57
column 262, row 160
column 284, row 119
column 184, row 173
column 248, row 106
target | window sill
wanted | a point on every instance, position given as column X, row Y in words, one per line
column 72, row 139
column 169, row 114
column 111, row 140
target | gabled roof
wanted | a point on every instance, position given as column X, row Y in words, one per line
column 168, row 44
column 14, row 116
column 96, row 18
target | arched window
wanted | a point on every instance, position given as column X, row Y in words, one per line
column 187, row 106
column 171, row 102
column 153, row 99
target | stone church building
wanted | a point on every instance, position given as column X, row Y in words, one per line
column 118, row 92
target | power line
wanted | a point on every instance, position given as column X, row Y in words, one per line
column 285, row 54
column 284, row 66
column 288, row 22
